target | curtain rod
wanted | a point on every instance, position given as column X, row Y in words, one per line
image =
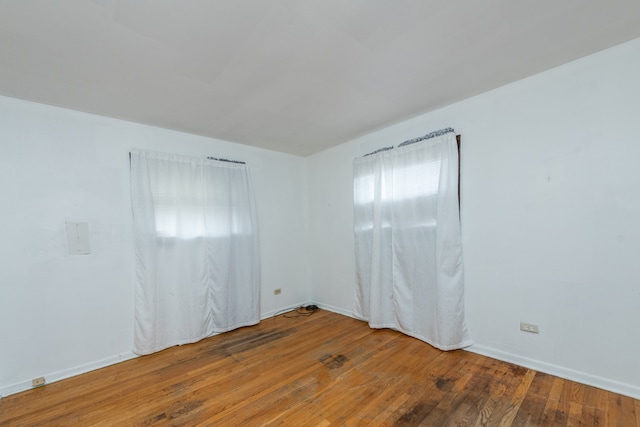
column 211, row 158
column 430, row 135
column 226, row 160
column 379, row 150
column 427, row 136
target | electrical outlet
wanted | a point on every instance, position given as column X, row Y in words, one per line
column 277, row 291
column 529, row 327
column 37, row 382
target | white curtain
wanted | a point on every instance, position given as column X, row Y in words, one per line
column 196, row 247
column 407, row 242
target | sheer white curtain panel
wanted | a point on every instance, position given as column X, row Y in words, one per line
column 409, row 273
column 196, row 246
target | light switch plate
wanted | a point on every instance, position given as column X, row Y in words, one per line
column 78, row 238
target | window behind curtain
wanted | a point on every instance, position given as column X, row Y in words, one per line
column 407, row 241
column 197, row 264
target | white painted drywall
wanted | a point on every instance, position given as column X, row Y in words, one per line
column 550, row 217
column 62, row 314
column 549, row 223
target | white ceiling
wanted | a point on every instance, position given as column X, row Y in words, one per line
column 296, row 76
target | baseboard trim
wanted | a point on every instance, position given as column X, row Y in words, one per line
column 335, row 309
column 559, row 371
column 327, row 307
column 291, row 307
column 548, row 368
column 91, row 366
column 68, row 373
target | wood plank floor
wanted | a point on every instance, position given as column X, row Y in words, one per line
column 321, row 370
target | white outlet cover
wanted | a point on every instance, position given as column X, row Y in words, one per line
column 529, row 327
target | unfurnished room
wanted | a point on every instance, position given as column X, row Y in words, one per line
column 319, row 213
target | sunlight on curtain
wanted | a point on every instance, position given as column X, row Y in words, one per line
column 197, row 263
column 407, row 242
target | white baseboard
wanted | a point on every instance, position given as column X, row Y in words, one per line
column 272, row 313
column 91, row 366
column 334, row 309
column 626, row 389
column 68, row 373
column 304, row 304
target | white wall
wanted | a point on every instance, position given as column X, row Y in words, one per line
column 549, row 222
column 550, row 217
column 61, row 314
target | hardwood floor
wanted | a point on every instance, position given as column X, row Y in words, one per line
column 321, row 370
